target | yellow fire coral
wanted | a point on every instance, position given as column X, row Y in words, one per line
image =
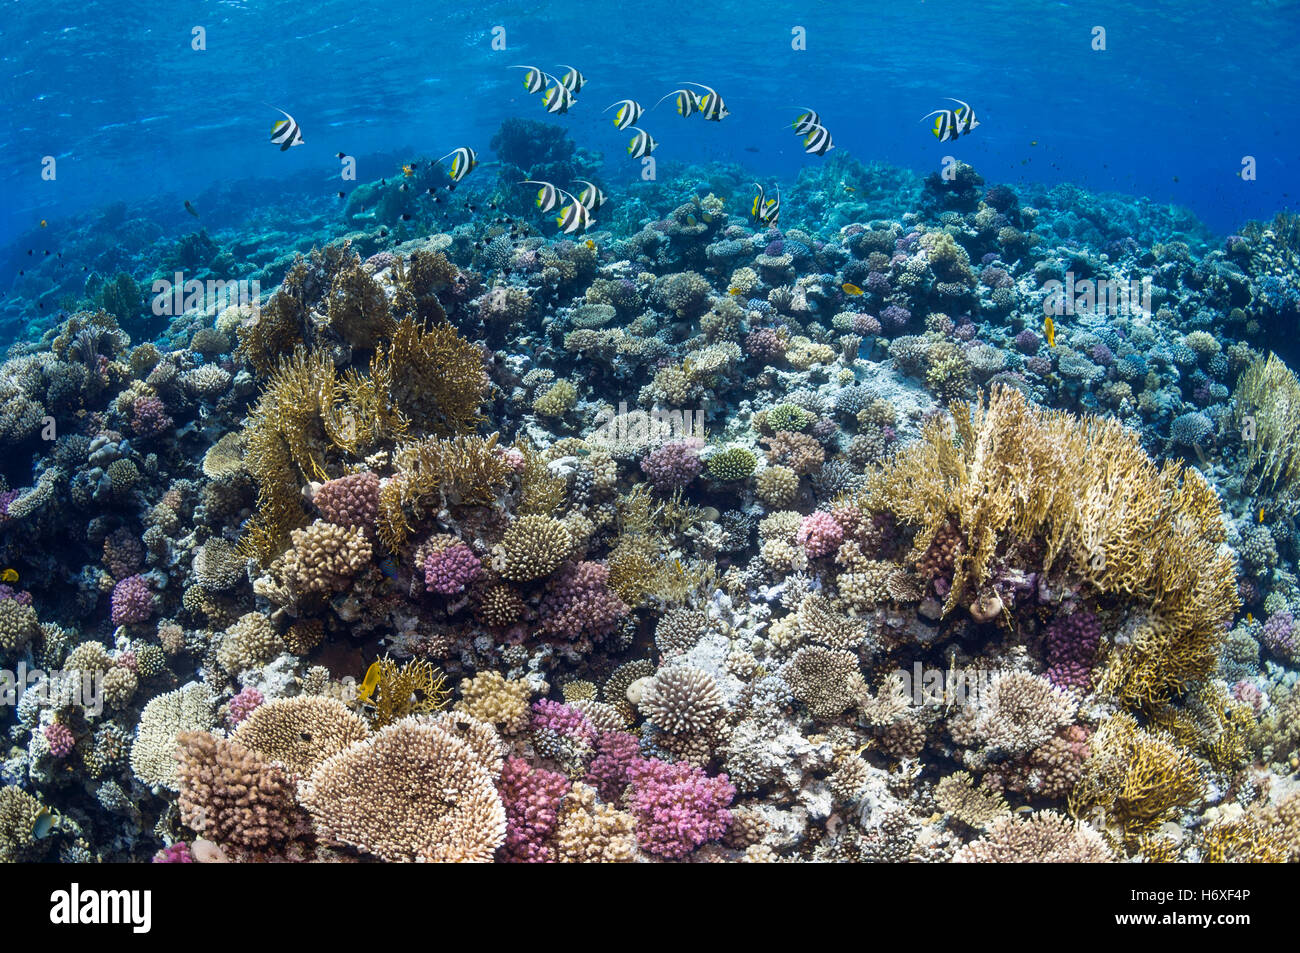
column 1268, row 412
column 1006, row 474
column 1135, row 779
column 436, row 377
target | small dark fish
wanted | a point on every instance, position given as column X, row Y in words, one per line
column 341, row 194
column 29, row 252
column 340, row 155
column 190, row 208
column 405, row 217
column 402, row 187
column 751, row 148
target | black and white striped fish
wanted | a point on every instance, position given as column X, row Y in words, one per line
column 766, row 210
column 591, row 197
column 548, row 196
column 642, row 143
column 285, row 132
column 688, row 101
column 951, row 123
column 572, row 80
column 573, row 217
column 818, row 141
column 463, row 161
column 629, row 111
column 712, row 108
column 558, row 98
column 805, row 122
column 534, row 79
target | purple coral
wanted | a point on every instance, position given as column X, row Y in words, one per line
column 132, row 601
column 242, row 705
column 1072, row 642
column 674, row 465
column 616, row 752
column 819, row 534
column 1278, row 635
column 532, row 799
column 60, row 739
column 895, row 316
column 448, row 571
column 580, row 603
column 1028, row 342
column 677, row 806
column 149, row 416
column 764, row 344
column 177, row 853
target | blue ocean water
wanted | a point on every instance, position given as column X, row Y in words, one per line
column 132, row 112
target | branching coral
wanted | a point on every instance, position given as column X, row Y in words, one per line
column 414, row 791
column 1008, row 475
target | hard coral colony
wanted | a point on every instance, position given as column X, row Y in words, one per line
column 703, row 539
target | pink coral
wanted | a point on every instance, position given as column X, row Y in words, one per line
column 177, row 853
column 674, row 465
column 532, row 799
column 60, row 739
column 579, row 603
column 677, row 806
column 351, row 501
column 242, row 705
column 450, row 570
column 149, row 416
column 616, row 752
column 131, row 601
column 819, row 534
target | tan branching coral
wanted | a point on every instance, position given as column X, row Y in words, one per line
column 1007, row 475
column 414, row 791
column 301, row 732
column 493, row 699
column 436, row 377
column 1043, row 837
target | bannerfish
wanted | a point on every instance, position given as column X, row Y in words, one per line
column 629, row 111
column 572, row 80
column 558, row 99
column 712, row 108
column 591, row 197
column 688, row 102
column 642, row 144
column 805, row 122
column 463, row 161
column 534, row 79
column 818, row 141
column 286, row 133
column 766, row 210
column 548, row 196
column 573, row 218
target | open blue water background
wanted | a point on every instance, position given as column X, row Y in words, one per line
column 1183, row 91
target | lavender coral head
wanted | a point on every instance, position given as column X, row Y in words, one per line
column 132, row 601
column 673, row 465
column 448, row 571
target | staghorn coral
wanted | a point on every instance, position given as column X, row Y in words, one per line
column 1044, row 837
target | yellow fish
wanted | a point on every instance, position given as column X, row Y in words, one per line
column 590, row 243
column 1250, row 618
column 1049, row 330
column 735, row 291
column 849, row 188
column 690, row 220
column 9, row 575
column 44, row 223
column 408, row 171
column 849, row 289
column 1261, row 514
column 370, row 682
